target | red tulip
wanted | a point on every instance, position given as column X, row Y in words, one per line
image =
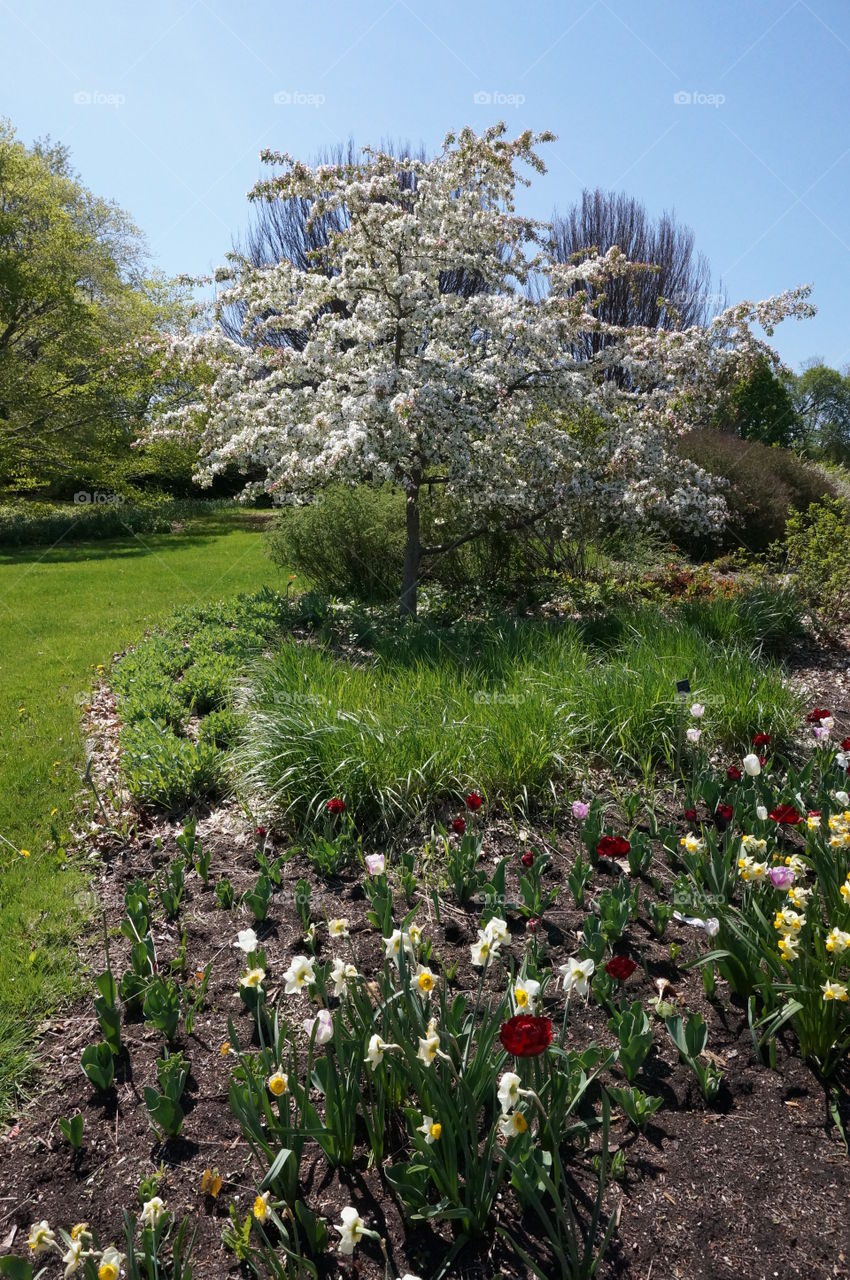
column 845, row 744
column 724, row 812
column 620, row 967
column 733, row 773
column 527, row 859
column 459, row 825
column 786, row 814
column 336, row 805
column 260, row 831
column 474, row 801
column 533, row 923
column 691, row 815
column 761, row 739
column 613, row 847
column 526, row 1036
column 816, row 714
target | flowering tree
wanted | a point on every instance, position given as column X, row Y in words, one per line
column 492, row 396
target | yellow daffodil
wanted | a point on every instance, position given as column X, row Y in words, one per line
column 692, row 843
column 430, row 1129
column 845, row 891
column 261, row 1207
column 211, row 1182
column 834, row 991
column 41, row 1237
column 25, row 853
column 837, row 941
column 797, row 896
column 79, row 1229
column 110, row 1264
column 788, row 921
column 425, row 981
column 513, row 1125
column 225, row 1049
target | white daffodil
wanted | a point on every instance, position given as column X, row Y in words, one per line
column 246, row 940
column 497, row 931
column 482, row 949
column 394, row 943
column 430, row 1129
column 376, row 1050
column 338, row 928
column 253, row 978
column 429, row 1044
column 525, row 994
column 41, row 1237
column 341, row 974
column 576, row 975
column 426, row 980
column 508, row 1091
column 299, row 975
column 111, row 1261
column 513, row 1125
column 152, row 1211
column 73, row 1258
column 351, row 1229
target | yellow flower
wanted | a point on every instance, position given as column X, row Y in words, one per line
column 845, row 892
column 521, row 997
column 80, row 1229
column 813, row 821
column 788, row 921
column 435, row 1130
column 261, row 1207
column 789, row 947
column 837, row 941
column 415, row 934
column 53, row 812
column 425, row 981
column 834, row 991
column 41, row 1237
column 225, row 1049
column 797, row 896
column 110, row 1264
column 25, row 853
column 278, row 1084
column 253, row 978
column 692, row 843
column 211, row 1182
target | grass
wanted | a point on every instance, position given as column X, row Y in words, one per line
column 64, row 610
column 508, row 708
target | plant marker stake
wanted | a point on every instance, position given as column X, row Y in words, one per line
column 683, row 687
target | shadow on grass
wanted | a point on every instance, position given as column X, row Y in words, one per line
column 195, row 533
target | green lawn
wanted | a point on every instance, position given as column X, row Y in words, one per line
column 64, row 610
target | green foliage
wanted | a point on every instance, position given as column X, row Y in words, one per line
column 760, row 407
column 504, row 706
column 822, row 401
column 162, row 1006
column 816, row 546
column 259, row 897
column 73, row 1130
column 98, row 1064
column 224, row 893
column 167, row 772
column 633, row 1030
column 764, row 485
column 637, row 1106
column 169, row 887
column 221, row 728
column 690, row 1038
column 165, row 1112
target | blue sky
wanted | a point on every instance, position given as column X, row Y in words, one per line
column 166, row 105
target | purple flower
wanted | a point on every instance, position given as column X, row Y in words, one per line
column 781, row 877
column 580, row 810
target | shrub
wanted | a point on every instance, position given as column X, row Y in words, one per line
column 35, row 523
column 206, row 683
column 167, row 772
column 816, row 544
column 222, row 728
column 764, row 485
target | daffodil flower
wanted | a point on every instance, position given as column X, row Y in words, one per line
column 278, row 1083
column 73, row 1258
column 788, row 921
column 525, row 993
column 351, row 1229
column 261, row 1207
column 41, row 1237
column 246, row 940
column 152, row 1211
column 508, row 1091
column 254, row 979
column 513, row 1125
column 376, row 1049
column 834, row 991
column 576, row 975
column 496, row 930
column 430, row 1129
column 692, row 843
column 837, row 941
column 338, row 928
column 394, row 943
column 425, row 981
column 340, row 975
column 481, row 950
column 789, row 946
column 299, row 975
column 110, row 1264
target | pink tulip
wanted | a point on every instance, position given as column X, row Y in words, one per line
column 781, row 877
column 580, row 810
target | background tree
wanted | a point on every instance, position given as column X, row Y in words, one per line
column 677, row 294
column 74, row 295
column 760, row 406
column 821, row 398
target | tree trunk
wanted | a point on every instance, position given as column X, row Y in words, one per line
column 412, row 553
